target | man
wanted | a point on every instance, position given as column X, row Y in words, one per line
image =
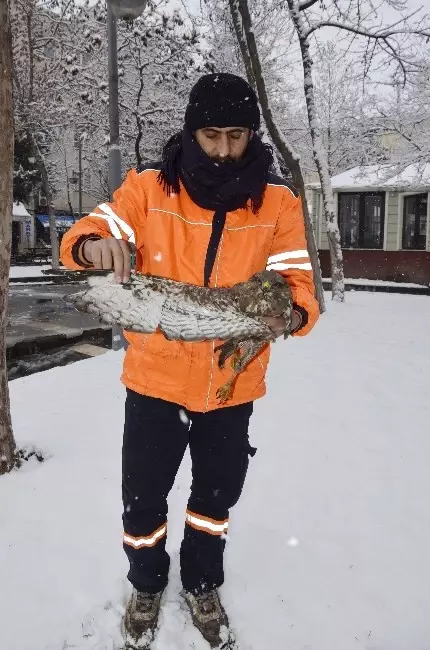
column 210, row 214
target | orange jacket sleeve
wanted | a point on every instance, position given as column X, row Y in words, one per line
column 289, row 256
column 115, row 219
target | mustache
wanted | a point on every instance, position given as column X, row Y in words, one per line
column 225, row 159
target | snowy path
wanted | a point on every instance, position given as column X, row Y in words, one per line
column 330, row 544
column 27, row 271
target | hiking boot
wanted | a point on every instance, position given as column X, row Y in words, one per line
column 208, row 616
column 141, row 618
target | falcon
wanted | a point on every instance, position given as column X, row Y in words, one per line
column 182, row 311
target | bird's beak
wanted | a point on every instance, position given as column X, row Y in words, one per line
column 266, row 284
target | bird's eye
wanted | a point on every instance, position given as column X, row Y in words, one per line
column 266, row 284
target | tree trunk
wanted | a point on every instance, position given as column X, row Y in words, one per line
column 7, row 442
column 242, row 18
column 69, row 198
column 242, row 41
column 320, row 158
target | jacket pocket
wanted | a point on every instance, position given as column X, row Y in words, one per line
column 164, row 362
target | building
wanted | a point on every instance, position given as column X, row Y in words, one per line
column 62, row 221
column 384, row 223
column 32, row 230
column 23, row 229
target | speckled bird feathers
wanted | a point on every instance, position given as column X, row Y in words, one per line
column 181, row 311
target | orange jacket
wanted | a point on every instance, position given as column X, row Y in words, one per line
column 171, row 236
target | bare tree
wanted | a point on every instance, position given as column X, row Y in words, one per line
column 403, row 115
column 159, row 58
column 345, row 110
column 34, row 35
column 320, row 156
column 385, row 45
column 245, row 35
column 7, row 442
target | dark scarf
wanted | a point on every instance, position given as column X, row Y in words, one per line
column 211, row 185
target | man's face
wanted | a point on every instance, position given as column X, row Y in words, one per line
column 223, row 145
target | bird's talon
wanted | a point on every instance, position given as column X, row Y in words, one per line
column 224, row 393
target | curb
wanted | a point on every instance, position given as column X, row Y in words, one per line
column 41, row 354
column 43, row 279
column 380, row 288
column 58, row 277
column 42, row 343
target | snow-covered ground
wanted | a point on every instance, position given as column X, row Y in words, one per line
column 330, row 544
column 27, row 271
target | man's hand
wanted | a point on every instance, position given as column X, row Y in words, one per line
column 277, row 323
column 110, row 253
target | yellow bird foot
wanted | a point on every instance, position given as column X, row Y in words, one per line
column 225, row 392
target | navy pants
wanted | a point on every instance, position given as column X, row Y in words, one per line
column 156, row 435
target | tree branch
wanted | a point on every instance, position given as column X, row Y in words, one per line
column 306, row 4
column 365, row 32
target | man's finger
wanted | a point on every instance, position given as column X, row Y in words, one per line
column 126, row 254
column 106, row 254
column 118, row 258
column 276, row 324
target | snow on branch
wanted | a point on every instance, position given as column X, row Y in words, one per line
column 394, row 42
column 382, row 34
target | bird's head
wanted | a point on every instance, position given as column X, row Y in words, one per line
column 269, row 279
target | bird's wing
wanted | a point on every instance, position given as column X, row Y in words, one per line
column 185, row 319
column 114, row 303
column 179, row 315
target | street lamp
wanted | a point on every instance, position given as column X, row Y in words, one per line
column 127, row 9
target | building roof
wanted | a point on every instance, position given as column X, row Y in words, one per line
column 413, row 177
column 19, row 211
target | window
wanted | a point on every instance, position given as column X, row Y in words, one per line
column 415, row 221
column 361, row 219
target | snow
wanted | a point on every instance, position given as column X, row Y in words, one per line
column 381, row 283
column 19, row 211
column 27, row 271
column 383, row 176
column 328, row 547
column 183, row 416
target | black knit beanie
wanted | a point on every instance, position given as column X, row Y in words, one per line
column 222, row 100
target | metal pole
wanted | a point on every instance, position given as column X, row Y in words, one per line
column 80, row 174
column 118, row 340
column 114, row 150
